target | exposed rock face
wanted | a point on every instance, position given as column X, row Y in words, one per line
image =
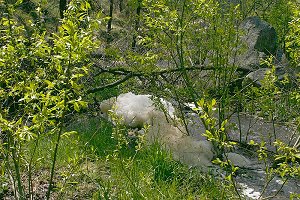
column 259, row 38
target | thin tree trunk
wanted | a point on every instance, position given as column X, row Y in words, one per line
column 121, row 5
column 111, row 7
column 137, row 23
column 62, row 7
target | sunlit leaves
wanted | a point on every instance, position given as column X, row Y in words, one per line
column 41, row 75
column 292, row 38
column 288, row 160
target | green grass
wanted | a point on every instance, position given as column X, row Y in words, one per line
column 87, row 169
column 153, row 174
column 94, row 134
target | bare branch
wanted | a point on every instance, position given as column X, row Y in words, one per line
column 130, row 74
column 93, row 90
column 124, row 71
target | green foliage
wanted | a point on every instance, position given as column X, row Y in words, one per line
column 287, row 160
column 40, row 81
column 43, row 76
column 95, row 134
column 279, row 14
column 292, row 37
column 152, row 174
column 281, row 104
column 215, row 130
column 164, row 167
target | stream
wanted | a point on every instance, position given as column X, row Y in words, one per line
column 252, row 180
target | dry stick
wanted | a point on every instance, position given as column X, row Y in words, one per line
column 292, row 137
column 271, row 197
column 16, row 161
column 181, row 66
column 111, row 7
column 265, row 186
column 54, row 161
column 125, row 71
column 239, row 97
column 297, row 143
column 128, row 76
column 274, row 130
column 137, row 24
column 239, row 122
column 120, row 5
column 30, row 189
column 180, row 107
column 8, row 168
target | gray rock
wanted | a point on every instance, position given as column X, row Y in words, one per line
column 257, row 76
column 238, row 160
column 259, row 39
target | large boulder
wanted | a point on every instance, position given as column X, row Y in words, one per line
column 259, row 39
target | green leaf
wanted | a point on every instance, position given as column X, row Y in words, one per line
column 213, row 102
column 49, row 83
column 68, row 27
column 19, row 2
column 68, row 134
column 83, row 104
column 217, row 161
column 76, row 106
column 201, row 102
column 251, row 142
column 224, row 123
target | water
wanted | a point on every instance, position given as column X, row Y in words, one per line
column 252, row 180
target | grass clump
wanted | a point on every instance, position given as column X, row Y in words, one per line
column 152, row 174
column 89, row 168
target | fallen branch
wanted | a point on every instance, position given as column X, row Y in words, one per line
column 130, row 74
column 93, row 90
column 123, row 71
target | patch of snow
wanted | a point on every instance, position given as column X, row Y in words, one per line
column 135, row 110
column 190, row 105
column 138, row 110
column 278, row 181
column 249, row 192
